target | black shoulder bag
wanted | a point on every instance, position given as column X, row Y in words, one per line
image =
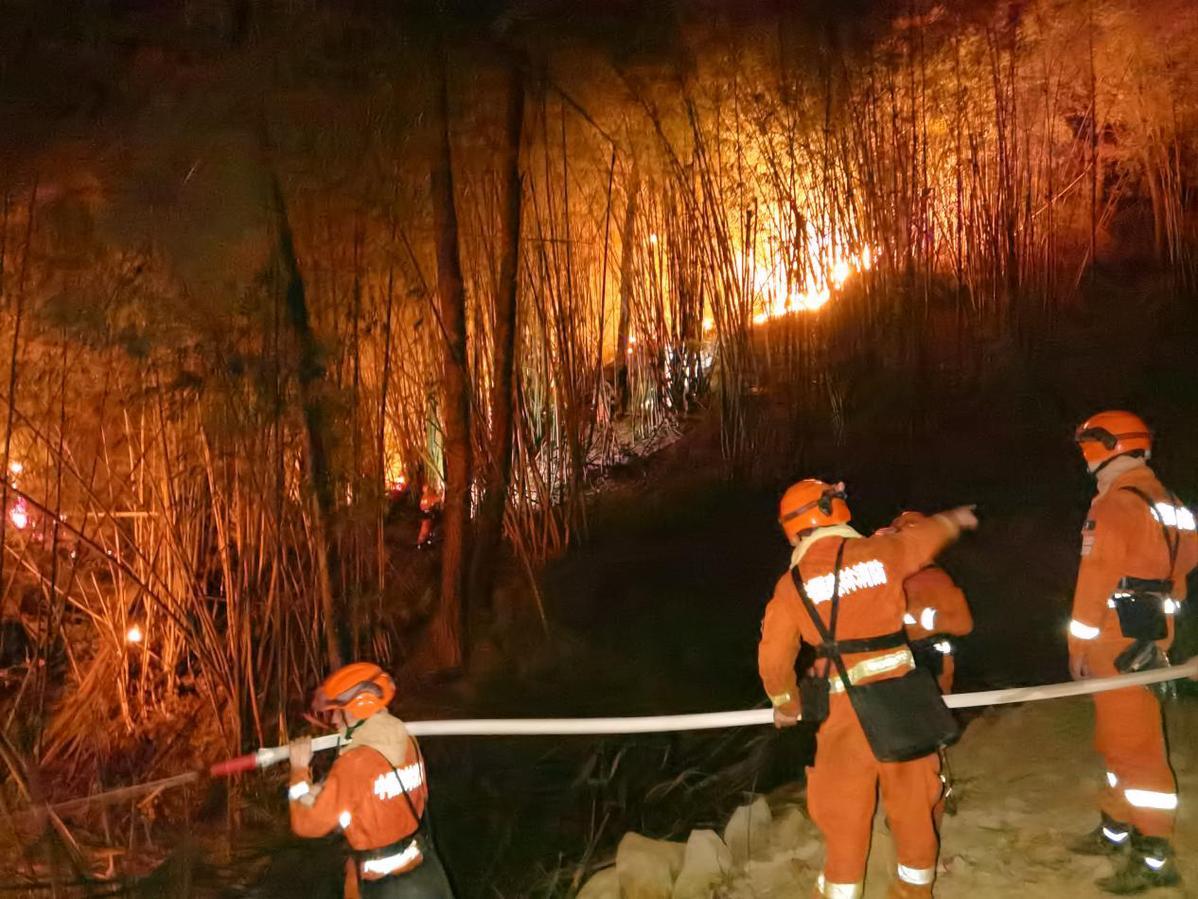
column 905, row 717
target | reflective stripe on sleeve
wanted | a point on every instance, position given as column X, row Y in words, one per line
column 927, row 619
column 1112, row 779
column 1175, row 516
column 780, row 699
column 1083, row 631
column 916, row 876
column 298, row 791
column 1172, row 606
column 1165, row 802
column 344, row 819
column 909, row 619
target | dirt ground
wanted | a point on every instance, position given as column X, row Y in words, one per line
column 1027, row 780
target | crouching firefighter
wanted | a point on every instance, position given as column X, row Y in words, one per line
column 880, row 719
column 1138, row 545
column 376, row 793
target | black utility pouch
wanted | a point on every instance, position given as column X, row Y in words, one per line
column 927, row 656
column 1140, row 605
column 1143, row 655
column 813, row 699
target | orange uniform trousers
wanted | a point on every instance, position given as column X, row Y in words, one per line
column 946, row 686
column 1129, row 734
column 842, row 790
column 946, row 674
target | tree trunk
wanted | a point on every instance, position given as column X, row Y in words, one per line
column 627, row 250
column 488, row 531
column 316, row 423
column 447, row 633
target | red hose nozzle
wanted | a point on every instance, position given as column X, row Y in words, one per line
column 239, row 765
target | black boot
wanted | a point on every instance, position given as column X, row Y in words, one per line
column 1149, row 865
column 1110, row 837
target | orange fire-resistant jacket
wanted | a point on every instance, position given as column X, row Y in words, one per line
column 363, row 794
column 935, row 605
column 872, row 602
column 1122, row 537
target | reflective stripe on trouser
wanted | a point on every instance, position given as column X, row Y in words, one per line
column 842, row 794
column 830, row 890
column 1128, row 733
column 920, row 877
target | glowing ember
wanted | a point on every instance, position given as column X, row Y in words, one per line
column 840, row 273
column 19, row 515
column 133, row 635
column 15, row 467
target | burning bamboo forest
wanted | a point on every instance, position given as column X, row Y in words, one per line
column 285, row 282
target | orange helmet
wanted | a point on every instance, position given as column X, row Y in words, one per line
column 360, row 688
column 907, row 518
column 1106, row 435
column 812, row 504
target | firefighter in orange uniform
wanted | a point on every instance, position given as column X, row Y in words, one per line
column 1138, row 545
column 376, row 793
column 936, row 613
column 842, row 785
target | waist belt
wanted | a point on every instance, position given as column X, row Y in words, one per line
column 398, row 858
column 1144, row 585
column 898, row 660
column 865, row 644
column 945, row 644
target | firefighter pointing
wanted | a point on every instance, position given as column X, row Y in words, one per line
column 879, row 718
column 376, row 793
column 937, row 615
column 1138, row 545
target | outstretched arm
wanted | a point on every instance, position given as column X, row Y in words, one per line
column 315, row 808
column 776, row 655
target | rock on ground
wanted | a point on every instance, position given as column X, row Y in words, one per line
column 647, row 868
column 604, row 885
column 707, row 861
column 748, row 833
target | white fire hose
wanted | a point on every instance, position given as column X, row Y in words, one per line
column 511, row 727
